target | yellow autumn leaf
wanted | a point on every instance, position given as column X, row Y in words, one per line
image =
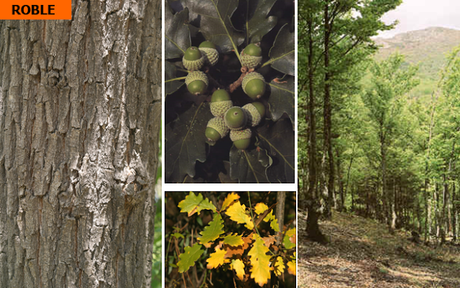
column 260, row 208
column 260, row 261
column 279, row 266
column 229, row 200
column 237, row 213
column 291, row 267
column 238, row 266
column 216, row 259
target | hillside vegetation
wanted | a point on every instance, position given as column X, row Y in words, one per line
column 362, row 253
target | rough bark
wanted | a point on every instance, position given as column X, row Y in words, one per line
column 80, row 112
column 280, row 205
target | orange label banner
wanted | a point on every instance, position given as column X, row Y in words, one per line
column 35, row 9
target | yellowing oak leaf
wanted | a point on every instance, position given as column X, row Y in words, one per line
column 291, row 267
column 237, row 213
column 212, row 231
column 260, row 261
column 194, row 204
column 279, row 266
column 260, row 208
column 229, row 200
column 233, row 240
column 238, row 266
column 216, row 259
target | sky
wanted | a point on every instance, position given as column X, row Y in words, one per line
column 420, row 14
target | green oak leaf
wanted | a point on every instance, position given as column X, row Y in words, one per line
column 282, row 52
column 278, row 139
column 286, row 240
column 233, row 240
column 188, row 258
column 258, row 23
column 193, row 203
column 281, row 99
column 212, row 231
column 246, row 167
column 215, row 22
column 186, row 142
column 177, row 34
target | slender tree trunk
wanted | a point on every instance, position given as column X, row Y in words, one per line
column 454, row 213
column 80, row 117
column 339, row 199
column 328, row 155
column 280, row 204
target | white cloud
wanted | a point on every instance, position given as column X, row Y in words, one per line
column 420, row 14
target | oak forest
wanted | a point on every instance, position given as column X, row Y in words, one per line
column 379, row 149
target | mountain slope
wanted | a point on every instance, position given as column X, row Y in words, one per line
column 362, row 253
column 427, row 47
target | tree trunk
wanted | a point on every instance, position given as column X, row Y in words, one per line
column 80, row 120
column 454, row 213
column 280, row 205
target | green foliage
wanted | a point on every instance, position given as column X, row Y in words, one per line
column 234, row 239
column 230, row 26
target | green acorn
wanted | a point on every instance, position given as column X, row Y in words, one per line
column 193, row 60
column 235, row 118
column 220, row 102
column 196, row 82
column 216, row 129
column 255, row 112
column 209, row 51
column 254, row 85
column 251, row 56
column 241, row 138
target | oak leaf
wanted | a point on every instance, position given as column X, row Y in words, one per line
column 188, row 258
column 238, row 266
column 193, row 203
column 237, row 213
column 260, row 261
column 216, row 259
column 233, row 240
column 288, row 241
column 212, row 231
column 229, row 200
column 279, row 266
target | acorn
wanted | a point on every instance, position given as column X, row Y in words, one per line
column 254, row 85
column 193, row 60
column 210, row 53
column 251, row 56
column 235, row 118
column 216, row 129
column 196, row 82
column 255, row 112
column 220, row 102
column 241, row 138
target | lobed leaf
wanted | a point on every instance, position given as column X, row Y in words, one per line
column 233, row 240
column 237, row 213
column 216, row 259
column 291, row 267
column 238, row 266
column 229, row 200
column 188, row 258
column 177, row 34
column 287, row 242
column 259, row 23
column 281, row 98
column 260, row 208
column 260, row 261
column 193, row 203
column 246, row 167
column 282, row 52
column 215, row 22
column 186, row 142
column 212, row 231
column 279, row 266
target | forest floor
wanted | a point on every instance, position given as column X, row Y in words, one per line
column 362, row 253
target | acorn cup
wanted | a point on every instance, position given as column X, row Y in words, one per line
column 254, row 85
column 193, row 60
column 255, row 112
column 241, row 138
column 209, row 51
column 251, row 56
column 216, row 130
column 197, row 82
column 220, row 102
column 235, row 118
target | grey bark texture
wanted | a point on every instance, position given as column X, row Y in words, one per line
column 80, row 114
